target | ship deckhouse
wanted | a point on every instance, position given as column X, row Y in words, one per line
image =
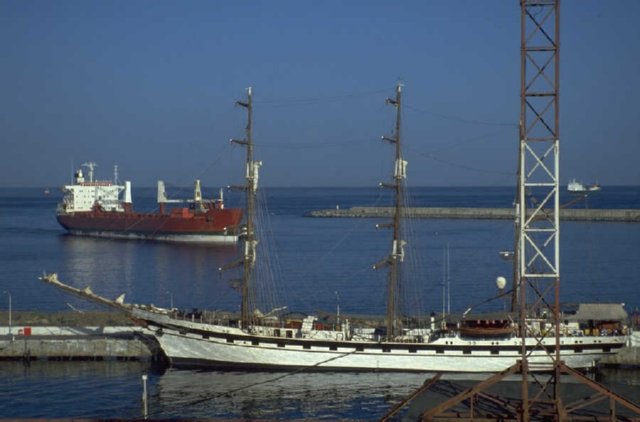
column 83, row 195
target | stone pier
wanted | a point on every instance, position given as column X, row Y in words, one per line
column 612, row 215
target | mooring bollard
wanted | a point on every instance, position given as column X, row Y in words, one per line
column 144, row 395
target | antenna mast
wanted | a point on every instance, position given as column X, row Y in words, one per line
column 397, row 249
column 90, row 165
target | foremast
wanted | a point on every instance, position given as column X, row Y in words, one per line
column 393, row 324
column 250, row 187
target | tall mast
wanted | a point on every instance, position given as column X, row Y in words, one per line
column 250, row 242
column 397, row 247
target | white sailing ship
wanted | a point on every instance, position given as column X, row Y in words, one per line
column 257, row 341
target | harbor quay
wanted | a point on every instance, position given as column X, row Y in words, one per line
column 67, row 336
column 611, row 215
column 61, row 336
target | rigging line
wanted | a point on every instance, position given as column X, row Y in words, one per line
column 491, row 299
column 320, row 144
column 450, row 145
column 270, row 270
column 318, row 100
column 278, row 378
column 461, row 119
column 462, row 166
column 414, row 273
column 220, row 154
column 319, row 262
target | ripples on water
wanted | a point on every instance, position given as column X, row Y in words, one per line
column 114, row 390
column 65, row 389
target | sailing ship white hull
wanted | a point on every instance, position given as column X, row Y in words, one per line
column 188, row 343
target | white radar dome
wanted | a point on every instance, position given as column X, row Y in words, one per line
column 501, row 282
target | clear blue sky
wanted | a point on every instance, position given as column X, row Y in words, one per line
column 151, row 86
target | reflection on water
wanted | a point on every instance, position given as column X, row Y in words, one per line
column 279, row 396
column 332, row 395
column 65, row 389
column 620, row 376
column 147, row 272
column 114, row 390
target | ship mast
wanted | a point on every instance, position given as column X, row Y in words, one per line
column 397, row 247
column 90, row 165
column 250, row 242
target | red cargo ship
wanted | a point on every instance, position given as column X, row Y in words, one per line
column 94, row 208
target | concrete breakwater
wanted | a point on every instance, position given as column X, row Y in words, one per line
column 90, row 343
column 62, row 336
column 613, row 215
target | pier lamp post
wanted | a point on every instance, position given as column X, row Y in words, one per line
column 337, row 308
column 10, row 322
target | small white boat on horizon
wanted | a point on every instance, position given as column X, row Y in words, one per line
column 577, row 187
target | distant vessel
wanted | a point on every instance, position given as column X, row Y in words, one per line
column 576, row 186
column 94, row 208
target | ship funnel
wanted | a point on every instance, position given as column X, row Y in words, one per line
column 162, row 194
column 197, row 192
column 127, row 192
column 221, row 199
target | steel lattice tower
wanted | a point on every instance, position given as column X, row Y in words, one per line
column 537, row 272
column 538, row 210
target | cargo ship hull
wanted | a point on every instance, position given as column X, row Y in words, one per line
column 182, row 225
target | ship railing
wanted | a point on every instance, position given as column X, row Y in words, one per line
column 203, row 317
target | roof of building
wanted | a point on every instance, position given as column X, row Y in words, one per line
column 599, row 312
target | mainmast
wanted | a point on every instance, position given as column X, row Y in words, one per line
column 397, row 247
column 250, row 242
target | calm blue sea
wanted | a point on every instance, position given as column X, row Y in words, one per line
column 310, row 265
